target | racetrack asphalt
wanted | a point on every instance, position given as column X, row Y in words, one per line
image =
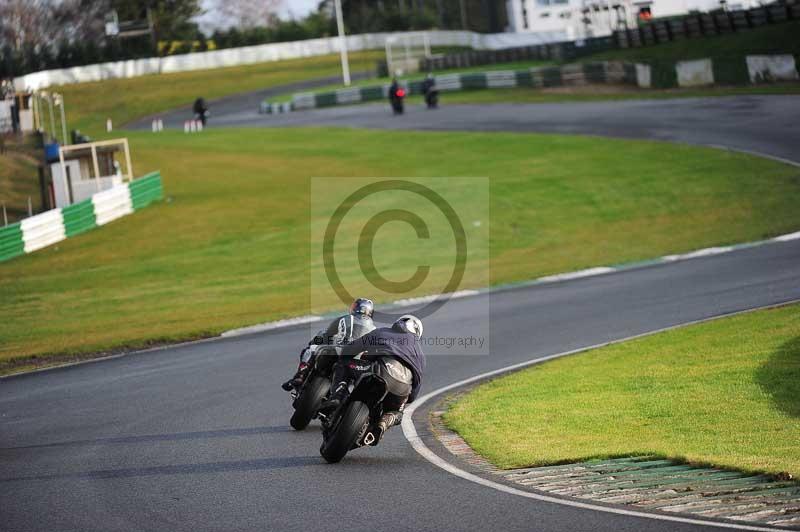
column 764, row 124
column 196, row 437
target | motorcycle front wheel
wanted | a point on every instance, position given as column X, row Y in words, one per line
column 353, row 421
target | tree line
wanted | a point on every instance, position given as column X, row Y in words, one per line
column 46, row 34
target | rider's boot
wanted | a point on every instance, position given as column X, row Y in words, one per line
column 387, row 421
column 338, row 395
column 299, row 378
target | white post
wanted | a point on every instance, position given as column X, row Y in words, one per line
column 63, row 120
column 67, row 191
column 53, row 133
column 427, row 43
column 5, row 216
column 342, row 43
column 389, row 68
column 30, row 207
column 128, row 161
column 35, row 111
column 96, row 167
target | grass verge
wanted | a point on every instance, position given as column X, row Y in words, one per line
column 724, row 393
column 19, row 180
column 123, row 100
column 230, row 245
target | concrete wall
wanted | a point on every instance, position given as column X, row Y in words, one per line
column 266, row 53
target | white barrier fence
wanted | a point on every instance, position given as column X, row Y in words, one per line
column 695, row 73
column 501, row 78
column 270, row 52
column 112, row 204
column 763, row 68
column 42, row 230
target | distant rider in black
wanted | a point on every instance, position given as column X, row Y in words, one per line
column 201, row 110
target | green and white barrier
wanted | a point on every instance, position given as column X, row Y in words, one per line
column 11, row 243
column 55, row 225
column 43, row 230
column 577, row 74
column 656, row 74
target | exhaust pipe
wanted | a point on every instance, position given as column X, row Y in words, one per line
column 369, row 439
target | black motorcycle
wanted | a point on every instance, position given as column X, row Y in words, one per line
column 354, row 423
column 432, row 98
column 308, row 398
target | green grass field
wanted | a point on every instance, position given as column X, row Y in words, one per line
column 89, row 104
column 725, row 393
column 230, row 245
column 19, row 180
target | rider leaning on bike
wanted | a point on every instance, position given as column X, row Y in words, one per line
column 401, row 342
column 340, row 331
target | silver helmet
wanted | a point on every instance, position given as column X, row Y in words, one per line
column 410, row 324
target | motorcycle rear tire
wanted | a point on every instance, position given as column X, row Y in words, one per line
column 354, row 420
column 307, row 405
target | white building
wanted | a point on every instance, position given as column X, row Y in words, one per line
column 597, row 18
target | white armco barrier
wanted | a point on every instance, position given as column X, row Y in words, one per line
column 112, row 204
column 448, row 82
column 501, row 78
column 771, row 68
column 303, row 100
column 643, row 76
column 694, row 73
column 351, row 95
column 271, row 52
column 42, row 230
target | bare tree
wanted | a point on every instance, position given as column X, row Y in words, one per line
column 36, row 23
column 249, row 13
column 24, row 22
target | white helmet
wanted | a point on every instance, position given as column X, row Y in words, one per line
column 409, row 323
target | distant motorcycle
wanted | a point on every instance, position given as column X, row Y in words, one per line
column 432, row 99
column 397, row 96
column 307, row 399
column 200, row 110
column 430, row 92
column 354, row 423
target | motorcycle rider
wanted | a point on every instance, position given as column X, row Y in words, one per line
column 200, row 110
column 401, row 342
column 430, row 91
column 340, row 331
column 396, row 94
